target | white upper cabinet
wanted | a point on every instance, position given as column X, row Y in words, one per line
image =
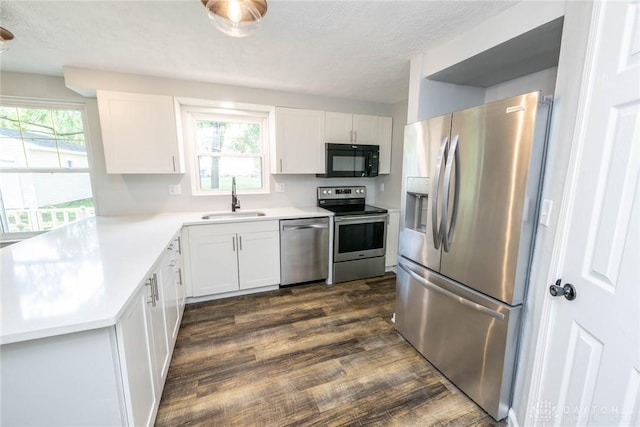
column 299, row 141
column 365, row 129
column 140, row 133
column 338, row 127
column 345, row 128
column 384, row 141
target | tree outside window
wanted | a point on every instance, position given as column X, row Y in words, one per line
column 228, row 146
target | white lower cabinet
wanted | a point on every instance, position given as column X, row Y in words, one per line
column 231, row 257
column 105, row 376
column 137, row 359
column 146, row 335
column 173, row 289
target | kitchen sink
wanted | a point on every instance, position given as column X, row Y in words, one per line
column 228, row 215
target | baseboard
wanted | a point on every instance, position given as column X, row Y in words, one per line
column 192, row 300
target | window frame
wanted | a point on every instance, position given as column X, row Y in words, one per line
column 11, row 101
column 261, row 114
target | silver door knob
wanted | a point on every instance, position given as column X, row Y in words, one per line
column 567, row 291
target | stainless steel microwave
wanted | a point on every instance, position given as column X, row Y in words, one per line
column 350, row 160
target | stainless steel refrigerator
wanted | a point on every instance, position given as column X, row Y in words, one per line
column 470, row 195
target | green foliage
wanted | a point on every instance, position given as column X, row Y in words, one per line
column 44, row 122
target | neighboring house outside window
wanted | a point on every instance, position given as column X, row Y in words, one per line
column 44, row 168
column 226, row 144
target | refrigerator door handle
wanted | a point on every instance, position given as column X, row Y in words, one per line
column 458, row 298
column 452, row 159
column 435, row 224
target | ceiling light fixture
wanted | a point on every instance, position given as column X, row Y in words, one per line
column 237, row 18
column 5, row 38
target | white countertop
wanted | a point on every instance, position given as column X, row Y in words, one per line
column 82, row 276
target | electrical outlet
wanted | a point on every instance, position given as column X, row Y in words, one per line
column 382, row 186
column 279, row 187
column 175, row 189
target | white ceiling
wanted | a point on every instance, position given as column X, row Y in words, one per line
column 351, row 49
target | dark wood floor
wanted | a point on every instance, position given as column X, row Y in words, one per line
column 307, row 355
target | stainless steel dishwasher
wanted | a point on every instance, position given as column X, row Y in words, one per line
column 304, row 250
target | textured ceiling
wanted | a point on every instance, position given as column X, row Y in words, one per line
column 350, row 49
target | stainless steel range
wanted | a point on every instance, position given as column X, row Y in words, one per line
column 360, row 232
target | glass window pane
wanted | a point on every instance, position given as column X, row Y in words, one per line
column 12, row 153
column 68, row 125
column 42, row 201
column 9, row 124
column 73, row 154
column 218, row 136
column 36, row 122
column 41, row 153
column 216, row 172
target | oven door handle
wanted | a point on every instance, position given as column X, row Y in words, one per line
column 360, row 219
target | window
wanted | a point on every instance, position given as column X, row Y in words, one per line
column 44, row 169
column 227, row 144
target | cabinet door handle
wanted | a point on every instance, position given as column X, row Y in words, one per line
column 280, row 165
column 180, row 276
column 179, row 245
column 153, row 297
column 155, row 282
column 240, row 242
column 233, row 243
column 173, row 160
column 355, row 136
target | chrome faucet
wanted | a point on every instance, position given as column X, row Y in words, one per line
column 235, row 203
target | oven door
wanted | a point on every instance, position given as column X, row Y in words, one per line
column 359, row 237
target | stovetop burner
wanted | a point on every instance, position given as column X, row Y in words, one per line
column 344, row 201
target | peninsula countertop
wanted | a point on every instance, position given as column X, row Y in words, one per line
column 83, row 275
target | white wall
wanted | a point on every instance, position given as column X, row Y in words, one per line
column 139, row 194
column 544, row 81
column 390, row 196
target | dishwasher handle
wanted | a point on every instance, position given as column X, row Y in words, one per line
column 304, row 227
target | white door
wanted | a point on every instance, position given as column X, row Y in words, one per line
column 591, row 367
